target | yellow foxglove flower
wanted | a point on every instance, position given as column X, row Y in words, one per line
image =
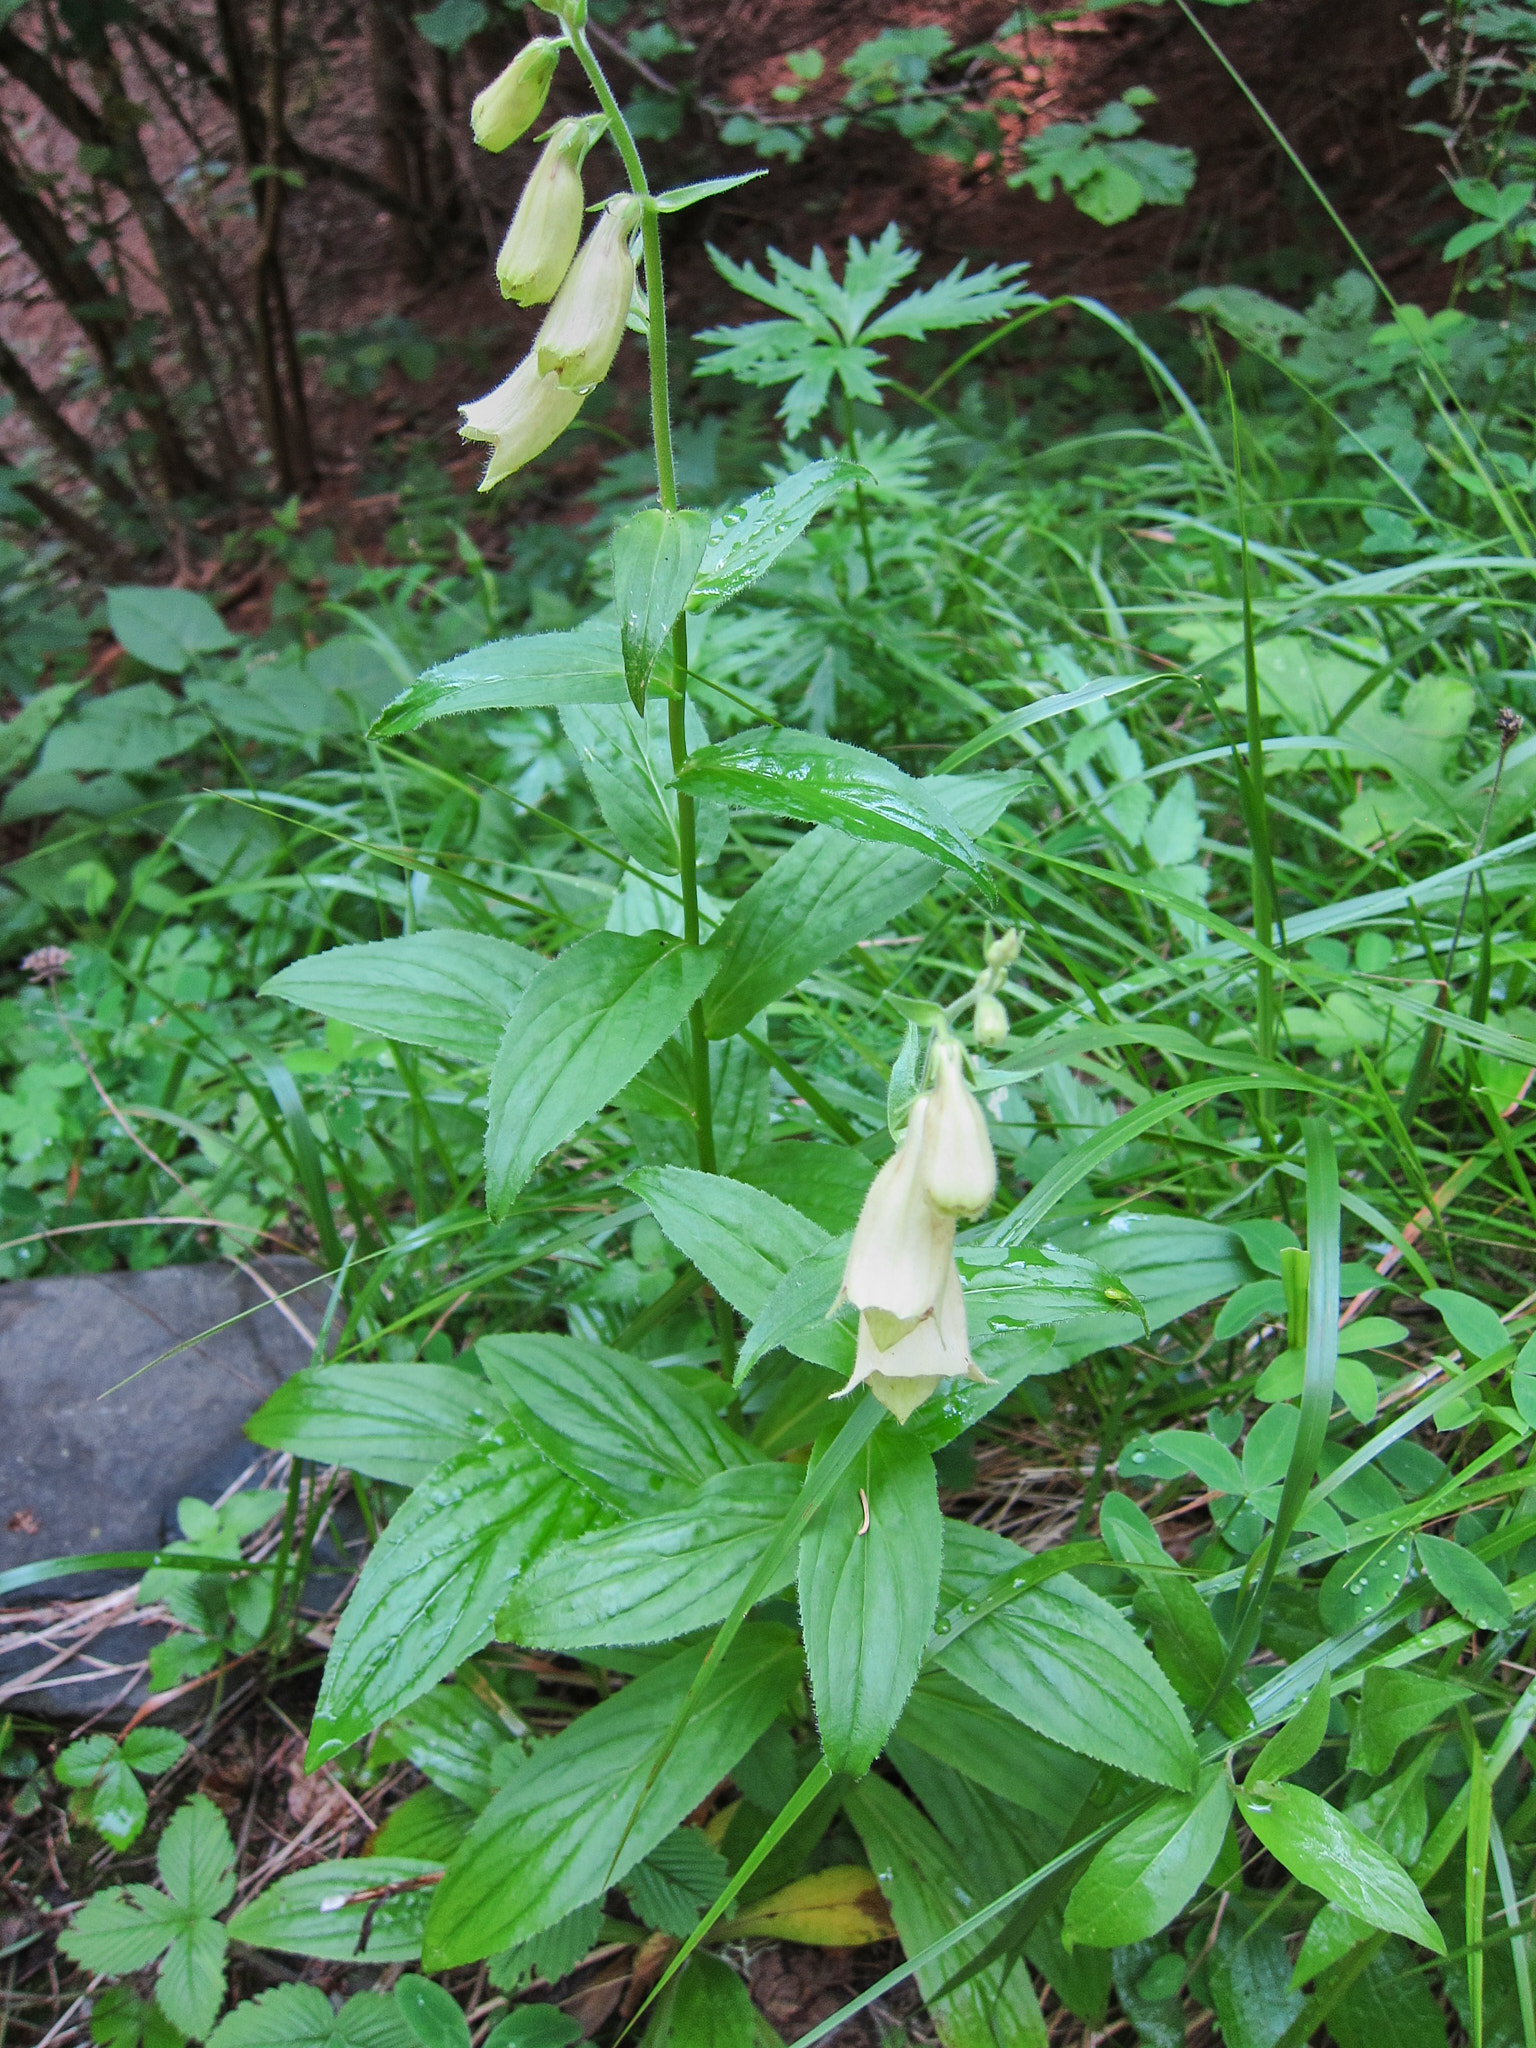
column 546, row 227
column 510, row 104
column 989, row 1022
column 582, row 329
column 519, row 418
column 959, row 1169
column 901, row 1276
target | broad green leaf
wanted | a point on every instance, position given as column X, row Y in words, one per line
column 393, row 1422
column 627, row 759
column 947, row 1720
column 1185, row 1638
column 1065, row 1663
column 869, row 1586
column 427, row 1823
column 1209, row 1459
column 1474, row 1325
column 705, row 2006
column 582, row 1030
column 454, row 1739
column 1319, row 1846
column 793, row 774
column 535, row 2026
column 431, row 2013
column 747, row 539
column 1362, row 1582
column 794, row 1314
column 121, row 1930
column 322, row 1911
column 928, row 1895
column 430, row 1589
column 1300, row 1739
column 741, row 1240
column 152, row 1751
column 1395, row 1705
column 301, row 2016
column 657, row 1578
column 824, row 895
column 1246, row 1976
column 195, row 1857
column 1031, row 1287
column 627, row 1431
column 583, row 666
column 1460, row 1576
column 1150, row 1871
column 189, row 1985
column 164, row 627
column 656, row 556
column 1392, row 2002
column 452, row 991
column 560, row 1833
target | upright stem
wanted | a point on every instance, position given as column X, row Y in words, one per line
column 666, row 490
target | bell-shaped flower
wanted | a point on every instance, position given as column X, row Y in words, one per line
column 539, row 245
column 902, row 1375
column 902, row 1278
column 582, row 329
column 511, row 103
column 519, row 418
column 959, row 1169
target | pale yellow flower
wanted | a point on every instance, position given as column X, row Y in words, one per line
column 520, row 418
column 582, row 329
column 542, row 239
column 512, row 102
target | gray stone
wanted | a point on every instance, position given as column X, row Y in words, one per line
column 88, row 1463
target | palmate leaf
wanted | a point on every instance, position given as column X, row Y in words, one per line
column 828, row 326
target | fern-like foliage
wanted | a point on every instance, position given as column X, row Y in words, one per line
column 828, row 327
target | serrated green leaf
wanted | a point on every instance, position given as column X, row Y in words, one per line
column 430, row 1589
column 325, row 1910
column 626, row 1431
column 869, row 1588
column 392, row 1422
column 746, row 540
column 189, row 1987
column 657, row 1578
column 452, row 991
column 824, row 895
column 164, row 627
column 793, row 774
column 1065, row 1663
column 656, row 556
column 582, row 666
column 581, row 1031
column 196, row 1858
column 301, row 2016
column 561, row 1830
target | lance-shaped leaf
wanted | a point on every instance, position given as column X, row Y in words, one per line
column 1317, row 1844
column 746, row 540
column 824, row 895
column 1061, row 1659
column 1149, row 1871
column 656, row 556
column 706, row 188
column 869, row 1584
column 582, row 1031
column 802, row 775
column 433, row 1582
column 358, row 1908
column 393, row 1422
column 583, row 666
column 624, row 1430
column 658, row 1578
column 565, row 1827
column 453, row 991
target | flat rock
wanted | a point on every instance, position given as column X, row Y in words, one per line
column 93, row 1458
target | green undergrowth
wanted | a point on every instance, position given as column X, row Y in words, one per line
column 1236, row 670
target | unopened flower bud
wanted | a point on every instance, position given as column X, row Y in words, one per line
column 582, row 330
column 959, row 1169
column 510, row 104
column 1003, row 951
column 989, row 1022
column 519, row 418
column 546, row 227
